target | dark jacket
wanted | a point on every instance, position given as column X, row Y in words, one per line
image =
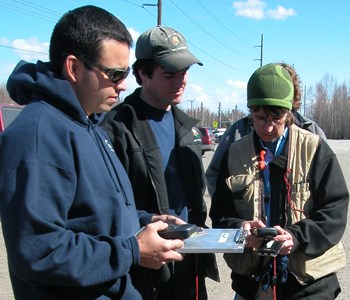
column 67, row 208
column 137, row 149
column 323, row 227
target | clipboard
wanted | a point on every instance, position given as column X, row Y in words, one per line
column 223, row 240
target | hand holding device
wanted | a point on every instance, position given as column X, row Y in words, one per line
column 175, row 231
column 267, row 233
column 268, row 247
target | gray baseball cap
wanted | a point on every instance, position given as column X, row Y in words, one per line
column 167, row 47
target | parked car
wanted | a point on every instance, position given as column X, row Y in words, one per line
column 218, row 133
column 208, row 139
column 8, row 112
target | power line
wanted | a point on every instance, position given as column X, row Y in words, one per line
column 209, row 55
column 33, row 13
column 154, row 16
column 222, row 24
column 25, row 50
column 218, row 60
column 140, row 6
column 212, row 36
column 41, row 8
column 159, row 7
column 132, row 3
column 28, row 14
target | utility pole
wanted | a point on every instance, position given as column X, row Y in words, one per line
column 304, row 100
column 202, row 114
column 191, row 112
column 261, row 46
column 219, row 113
column 191, row 108
column 159, row 19
column 159, row 5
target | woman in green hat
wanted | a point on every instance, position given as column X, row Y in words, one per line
column 287, row 181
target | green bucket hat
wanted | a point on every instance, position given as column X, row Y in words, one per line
column 270, row 85
column 167, row 47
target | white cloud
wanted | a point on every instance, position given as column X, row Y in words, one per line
column 134, row 34
column 232, row 100
column 237, row 84
column 33, row 49
column 255, row 9
column 197, row 93
column 5, row 71
column 280, row 13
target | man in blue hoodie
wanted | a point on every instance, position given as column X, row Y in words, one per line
column 67, row 209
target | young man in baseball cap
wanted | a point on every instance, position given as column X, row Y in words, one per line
column 154, row 141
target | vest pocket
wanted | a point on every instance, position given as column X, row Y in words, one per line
column 242, row 188
column 302, row 200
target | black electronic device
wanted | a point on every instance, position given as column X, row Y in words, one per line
column 267, row 233
column 269, row 248
column 174, row 231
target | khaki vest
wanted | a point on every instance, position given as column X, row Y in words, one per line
column 245, row 179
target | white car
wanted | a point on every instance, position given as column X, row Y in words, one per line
column 218, row 133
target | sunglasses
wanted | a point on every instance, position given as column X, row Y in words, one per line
column 115, row 75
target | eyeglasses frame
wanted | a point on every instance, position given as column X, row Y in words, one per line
column 110, row 72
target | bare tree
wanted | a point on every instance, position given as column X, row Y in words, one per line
column 208, row 117
column 329, row 107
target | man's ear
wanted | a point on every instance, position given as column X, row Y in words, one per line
column 142, row 74
column 71, row 68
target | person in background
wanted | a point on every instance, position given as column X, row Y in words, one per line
column 244, row 126
column 68, row 214
column 154, row 141
column 284, row 177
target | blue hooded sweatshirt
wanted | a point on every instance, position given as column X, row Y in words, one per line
column 67, row 208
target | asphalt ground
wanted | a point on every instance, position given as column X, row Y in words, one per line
column 222, row 290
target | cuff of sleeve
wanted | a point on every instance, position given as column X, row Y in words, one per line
column 135, row 250
column 145, row 218
column 295, row 242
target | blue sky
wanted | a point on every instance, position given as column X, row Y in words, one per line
column 225, row 35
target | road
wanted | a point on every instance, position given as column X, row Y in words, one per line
column 222, row 290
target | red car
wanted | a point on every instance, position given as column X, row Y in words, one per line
column 208, row 139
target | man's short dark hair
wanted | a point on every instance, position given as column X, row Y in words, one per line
column 147, row 66
column 81, row 32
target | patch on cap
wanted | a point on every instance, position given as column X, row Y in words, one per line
column 167, row 47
